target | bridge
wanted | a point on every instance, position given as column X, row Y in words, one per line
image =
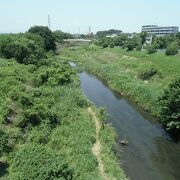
column 79, row 41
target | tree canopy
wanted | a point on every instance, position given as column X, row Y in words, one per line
column 47, row 36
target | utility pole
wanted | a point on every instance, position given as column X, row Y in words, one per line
column 79, row 32
column 49, row 22
column 89, row 29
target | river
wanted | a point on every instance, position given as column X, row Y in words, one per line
column 151, row 154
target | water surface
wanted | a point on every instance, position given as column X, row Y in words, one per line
column 151, row 154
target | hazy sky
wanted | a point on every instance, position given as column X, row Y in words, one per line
column 69, row 15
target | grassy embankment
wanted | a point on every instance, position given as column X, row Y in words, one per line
column 136, row 74
column 49, row 131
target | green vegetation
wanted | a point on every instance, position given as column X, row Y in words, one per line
column 46, row 131
column 172, row 48
column 47, row 36
column 108, row 32
column 3, row 141
column 170, row 102
column 140, row 76
column 137, row 41
column 151, row 49
column 122, row 41
column 34, row 161
column 60, row 36
column 24, row 48
column 147, row 74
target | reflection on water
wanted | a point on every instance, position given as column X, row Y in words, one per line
column 150, row 154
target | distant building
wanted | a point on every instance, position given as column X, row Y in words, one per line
column 160, row 30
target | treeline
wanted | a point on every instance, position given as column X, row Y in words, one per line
column 108, row 32
column 171, row 43
column 28, row 48
column 31, row 47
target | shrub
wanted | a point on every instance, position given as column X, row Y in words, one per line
column 111, row 45
column 34, row 161
column 22, row 49
column 38, row 40
column 27, row 52
column 129, row 46
column 56, row 74
column 147, row 74
column 3, row 141
column 172, row 49
column 34, row 111
column 138, row 47
column 170, row 102
column 151, row 49
column 104, row 45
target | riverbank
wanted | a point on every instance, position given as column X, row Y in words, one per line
column 44, row 119
column 151, row 153
column 135, row 74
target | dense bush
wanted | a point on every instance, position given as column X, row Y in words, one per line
column 111, row 45
column 151, row 49
column 36, row 114
column 120, row 40
column 24, row 50
column 35, row 161
column 147, row 73
column 170, row 102
column 39, row 41
column 47, row 36
column 129, row 45
column 56, row 74
column 163, row 41
column 172, row 48
column 132, row 43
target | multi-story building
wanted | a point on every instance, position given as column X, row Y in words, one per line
column 159, row 30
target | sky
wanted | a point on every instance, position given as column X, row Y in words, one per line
column 77, row 15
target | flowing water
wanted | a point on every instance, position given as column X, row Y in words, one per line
column 151, row 154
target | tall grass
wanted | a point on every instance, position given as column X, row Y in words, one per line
column 121, row 70
column 40, row 112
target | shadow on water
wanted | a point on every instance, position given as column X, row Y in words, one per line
column 151, row 153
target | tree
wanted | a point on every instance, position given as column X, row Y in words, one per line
column 38, row 40
column 143, row 36
column 172, row 49
column 7, row 46
column 120, row 40
column 47, row 36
